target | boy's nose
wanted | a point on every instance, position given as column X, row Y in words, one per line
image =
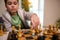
column 12, row 6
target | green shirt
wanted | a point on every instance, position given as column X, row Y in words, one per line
column 16, row 21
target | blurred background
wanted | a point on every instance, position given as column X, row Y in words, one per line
column 48, row 11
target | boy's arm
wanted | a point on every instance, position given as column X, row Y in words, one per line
column 33, row 18
column 6, row 24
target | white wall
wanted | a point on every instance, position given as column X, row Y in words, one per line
column 51, row 11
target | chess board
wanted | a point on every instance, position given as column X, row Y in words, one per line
column 26, row 36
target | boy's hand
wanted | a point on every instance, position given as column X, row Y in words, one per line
column 35, row 21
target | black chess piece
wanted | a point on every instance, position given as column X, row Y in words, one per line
column 13, row 36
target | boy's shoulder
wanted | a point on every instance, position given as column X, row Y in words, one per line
column 4, row 12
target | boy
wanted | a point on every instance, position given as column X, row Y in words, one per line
column 16, row 17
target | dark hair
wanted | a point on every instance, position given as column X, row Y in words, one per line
column 6, row 1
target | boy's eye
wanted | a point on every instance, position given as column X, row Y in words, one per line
column 9, row 3
column 15, row 3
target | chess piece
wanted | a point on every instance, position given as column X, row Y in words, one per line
column 5, row 31
column 13, row 28
column 13, row 34
column 1, row 31
column 45, row 31
column 19, row 34
column 49, row 29
column 32, row 31
column 48, row 33
column 55, row 29
column 40, row 30
column 31, row 28
column 40, row 27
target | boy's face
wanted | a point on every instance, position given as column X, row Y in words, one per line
column 12, row 5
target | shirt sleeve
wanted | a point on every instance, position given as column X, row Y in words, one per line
column 6, row 24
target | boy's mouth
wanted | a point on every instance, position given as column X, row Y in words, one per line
column 13, row 9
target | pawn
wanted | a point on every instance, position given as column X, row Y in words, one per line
column 19, row 34
column 13, row 34
column 32, row 31
column 5, row 31
column 50, row 31
column 13, row 28
column 1, row 31
column 40, row 27
column 54, row 29
column 45, row 31
column 19, row 27
column 49, row 28
column 31, row 27
column 40, row 30
column 19, row 31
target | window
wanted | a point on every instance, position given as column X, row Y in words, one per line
column 37, row 6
